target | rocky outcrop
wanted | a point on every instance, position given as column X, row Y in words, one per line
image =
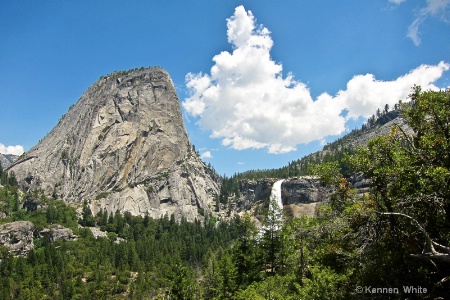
column 123, row 146
column 58, row 232
column 360, row 183
column 97, row 233
column 17, row 237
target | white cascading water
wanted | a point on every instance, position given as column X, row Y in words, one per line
column 276, row 193
column 275, row 197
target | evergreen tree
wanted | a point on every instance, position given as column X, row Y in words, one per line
column 211, row 277
column 87, row 219
column 271, row 236
column 227, row 277
column 247, row 254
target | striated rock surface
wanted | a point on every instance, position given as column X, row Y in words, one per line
column 393, row 118
column 7, row 159
column 303, row 190
column 360, row 183
column 17, row 237
column 253, row 192
column 123, row 146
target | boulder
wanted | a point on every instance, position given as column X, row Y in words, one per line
column 17, row 237
column 58, row 232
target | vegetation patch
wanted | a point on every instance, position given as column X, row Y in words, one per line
column 101, row 195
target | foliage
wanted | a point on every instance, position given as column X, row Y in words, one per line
column 156, row 258
column 410, row 181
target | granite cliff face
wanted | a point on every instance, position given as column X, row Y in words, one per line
column 304, row 190
column 7, row 159
column 299, row 195
column 123, row 146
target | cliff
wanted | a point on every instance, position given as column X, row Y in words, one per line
column 299, row 195
column 123, row 146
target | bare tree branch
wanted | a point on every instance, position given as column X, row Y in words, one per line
column 431, row 253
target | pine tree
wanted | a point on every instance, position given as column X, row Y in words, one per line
column 271, row 238
column 87, row 217
column 247, row 254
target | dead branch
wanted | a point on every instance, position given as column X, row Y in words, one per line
column 431, row 253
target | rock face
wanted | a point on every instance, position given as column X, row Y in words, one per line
column 298, row 190
column 17, row 237
column 254, row 191
column 58, row 232
column 7, row 159
column 360, row 183
column 393, row 119
column 123, row 146
column 300, row 195
column 303, row 190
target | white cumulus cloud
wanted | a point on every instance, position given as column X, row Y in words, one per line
column 206, row 154
column 15, row 150
column 248, row 103
column 365, row 94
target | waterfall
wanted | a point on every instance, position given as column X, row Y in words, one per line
column 276, row 217
column 276, row 193
column 277, row 212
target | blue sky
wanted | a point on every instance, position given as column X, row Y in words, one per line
column 261, row 82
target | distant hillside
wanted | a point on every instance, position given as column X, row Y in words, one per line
column 377, row 125
column 7, row 159
column 360, row 137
